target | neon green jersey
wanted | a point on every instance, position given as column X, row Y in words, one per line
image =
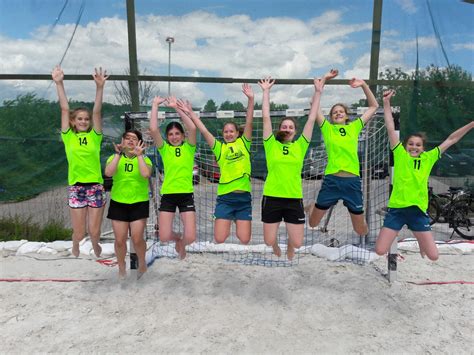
column 83, row 156
column 129, row 186
column 284, row 164
column 234, row 164
column 341, row 145
column 410, row 177
column 178, row 162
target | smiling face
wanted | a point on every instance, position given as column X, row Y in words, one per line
column 338, row 114
column 288, row 127
column 230, row 132
column 174, row 136
column 414, row 146
column 81, row 121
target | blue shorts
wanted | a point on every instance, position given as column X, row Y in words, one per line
column 413, row 217
column 347, row 189
column 234, row 206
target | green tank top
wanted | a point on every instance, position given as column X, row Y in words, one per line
column 128, row 184
column 284, row 164
column 410, row 177
column 234, row 164
column 83, row 156
column 178, row 163
column 341, row 143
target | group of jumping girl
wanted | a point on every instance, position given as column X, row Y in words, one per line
column 282, row 193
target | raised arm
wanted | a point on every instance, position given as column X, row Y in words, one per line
column 58, row 78
column 99, row 77
column 145, row 170
column 266, row 84
column 188, row 122
column 456, row 136
column 247, row 90
column 313, row 112
column 111, row 167
column 372, row 102
column 387, row 114
column 154, row 127
column 328, row 76
column 188, row 110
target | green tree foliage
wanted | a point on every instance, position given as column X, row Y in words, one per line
column 210, row 106
column 439, row 101
column 232, row 106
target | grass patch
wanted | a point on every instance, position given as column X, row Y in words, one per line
column 17, row 228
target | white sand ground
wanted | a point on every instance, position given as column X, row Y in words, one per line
column 207, row 305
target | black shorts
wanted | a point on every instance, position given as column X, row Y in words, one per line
column 275, row 209
column 128, row 212
column 184, row 202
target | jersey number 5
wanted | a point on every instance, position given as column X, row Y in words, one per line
column 285, row 151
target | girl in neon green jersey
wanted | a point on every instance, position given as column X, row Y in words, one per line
column 341, row 179
column 234, row 201
column 129, row 205
column 409, row 198
column 177, row 153
column 283, row 192
column 82, row 138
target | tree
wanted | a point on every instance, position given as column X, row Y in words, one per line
column 232, row 106
column 440, row 101
column 146, row 91
column 210, row 106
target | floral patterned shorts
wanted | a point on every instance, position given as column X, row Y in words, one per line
column 86, row 195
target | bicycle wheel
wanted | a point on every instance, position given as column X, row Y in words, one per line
column 433, row 211
column 462, row 218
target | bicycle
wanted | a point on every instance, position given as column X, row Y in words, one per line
column 455, row 207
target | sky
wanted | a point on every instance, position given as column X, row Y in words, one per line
column 247, row 39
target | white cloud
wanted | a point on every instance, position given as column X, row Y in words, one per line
column 463, row 46
column 205, row 45
column 408, row 6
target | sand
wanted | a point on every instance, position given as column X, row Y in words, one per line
column 205, row 304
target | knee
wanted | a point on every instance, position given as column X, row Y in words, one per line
column 361, row 229
column 379, row 250
column 220, row 238
column 244, row 239
column 433, row 256
column 120, row 243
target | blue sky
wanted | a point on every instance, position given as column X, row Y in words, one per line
column 247, row 38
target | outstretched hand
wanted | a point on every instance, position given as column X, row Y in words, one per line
column 158, row 100
column 172, row 102
column 118, row 147
column 57, row 74
column 318, row 84
column 100, row 76
column 355, row 83
column 331, row 74
column 139, row 148
column 185, row 106
column 266, row 83
column 387, row 95
column 247, row 90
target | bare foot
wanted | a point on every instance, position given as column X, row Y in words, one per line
column 276, row 249
column 290, row 252
column 75, row 248
column 122, row 271
column 141, row 271
column 97, row 249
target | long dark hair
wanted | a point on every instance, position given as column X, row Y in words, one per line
column 281, row 135
column 176, row 125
